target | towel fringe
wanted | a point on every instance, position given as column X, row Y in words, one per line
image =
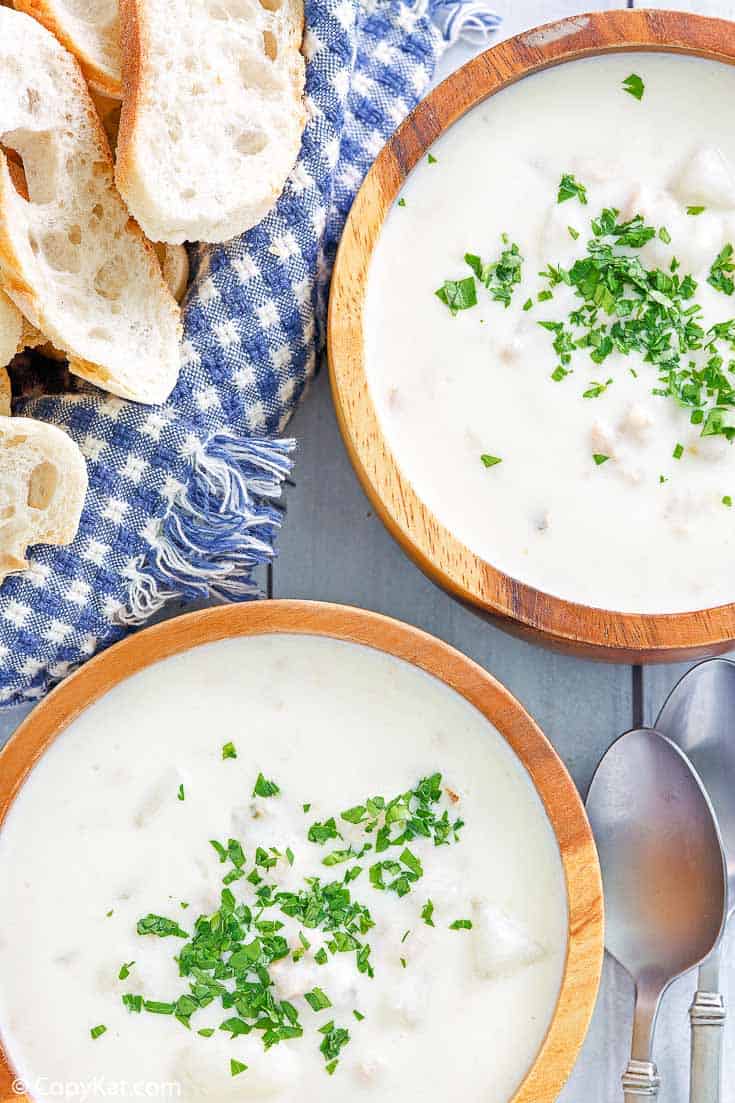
column 217, row 528
column 472, row 21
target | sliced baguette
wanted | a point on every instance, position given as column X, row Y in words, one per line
column 43, row 483
column 71, row 259
column 212, row 113
column 11, row 329
column 6, row 393
column 90, row 30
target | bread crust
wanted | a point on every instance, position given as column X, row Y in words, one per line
column 101, row 79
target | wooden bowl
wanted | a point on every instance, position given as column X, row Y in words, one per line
column 553, row 784
column 523, row 610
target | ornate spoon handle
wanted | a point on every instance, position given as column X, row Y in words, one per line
column 640, row 1081
column 707, row 1016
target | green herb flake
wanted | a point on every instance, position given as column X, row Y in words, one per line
column 181, row 795
column 599, row 458
column 528, row 304
column 458, row 294
column 461, row 925
column 125, row 970
column 560, row 373
column 317, row 999
column 720, row 273
column 229, row 751
column 320, row 957
column 431, row 159
column 727, row 500
column 236, row 1067
column 662, row 479
column 265, row 788
column 161, row 926
column 133, row 1003
column 569, row 188
column 634, row 86
column 696, row 210
column 98, row 1031
column 574, row 234
column 664, row 235
column 427, row 913
column 401, row 202
column 359, row 1016
column 206, row 1032
column 490, row 461
column 305, row 808
column 678, row 451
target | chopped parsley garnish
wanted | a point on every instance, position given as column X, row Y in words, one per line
column 560, row 373
column 696, row 210
column 227, row 959
column 265, row 788
column 335, row 1038
column 569, row 188
column 236, row 1067
column 317, row 999
column 528, row 304
column 500, row 277
column 461, row 925
column 664, row 235
column 719, row 274
column 431, row 159
column 401, row 202
column 599, row 458
column 229, row 751
column 596, row 389
column 573, row 233
column 458, row 294
column 678, row 451
column 98, row 1031
column 181, row 795
column 159, row 925
column 490, row 461
column 727, row 500
column 634, row 86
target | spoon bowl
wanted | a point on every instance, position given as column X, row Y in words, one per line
column 663, row 873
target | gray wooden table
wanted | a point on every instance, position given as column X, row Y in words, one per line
column 334, row 548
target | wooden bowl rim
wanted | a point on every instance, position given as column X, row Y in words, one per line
column 553, row 784
column 603, row 633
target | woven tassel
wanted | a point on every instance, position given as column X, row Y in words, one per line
column 217, row 530
column 472, row 21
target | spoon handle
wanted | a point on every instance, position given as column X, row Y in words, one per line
column 640, row 1080
column 707, row 1016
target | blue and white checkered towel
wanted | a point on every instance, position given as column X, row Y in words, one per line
column 182, row 497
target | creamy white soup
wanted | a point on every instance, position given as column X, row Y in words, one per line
column 565, row 405
column 279, row 867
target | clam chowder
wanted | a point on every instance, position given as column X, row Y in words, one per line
column 550, row 332
column 279, row 867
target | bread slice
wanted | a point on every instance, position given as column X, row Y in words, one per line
column 212, row 113
column 71, row 258
column 43, row 483
column 11, row 329
column 6, row 393
column 90, row 30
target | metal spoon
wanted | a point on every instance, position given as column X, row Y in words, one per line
column 699, row 716
column 663, row 874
